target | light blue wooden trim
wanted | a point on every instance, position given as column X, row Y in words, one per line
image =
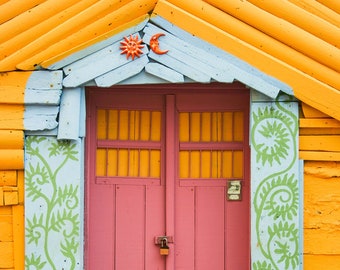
column 175, row 64
column 69, row 116
column 40, row 117
column 301, row 213
column 82, row 118
column 91, row 68
column 44, row 87
column 276, row 196
column 164, row 72
column 54, row 205
column 189, row 54
column 98, row 46
column 143, row 78
column 45, row 80
column 263, row 80
column 122, row 73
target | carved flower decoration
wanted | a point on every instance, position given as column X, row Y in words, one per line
column 131, row 47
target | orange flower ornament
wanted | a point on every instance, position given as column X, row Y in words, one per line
column 131, row 47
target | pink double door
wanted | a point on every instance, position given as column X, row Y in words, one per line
column 168, row 162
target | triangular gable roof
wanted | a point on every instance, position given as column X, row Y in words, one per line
column 296, row 42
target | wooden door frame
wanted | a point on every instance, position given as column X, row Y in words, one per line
column 233, row 88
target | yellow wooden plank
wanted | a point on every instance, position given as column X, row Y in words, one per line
column 331, row 4
column 303, row 19
column 306, row 88
column 13, row 8
column 56, row 51
column 8, row 178
column 310, row 112
column 324, row 170
column 12, row 87
column 321, row 156
column 319, row 10
column 321, row 241
column 261, row 41
column 5, row 210
column 20, row 185
column 322, row 195
column 320, row 261
column 85, row 26
column 11, row 139
column 28, row 26
column 11, row 117
column 320, row 143
column 319, row 123
column 6, row 231
column 11, row 197
column 11, row 159
column 319, row 131
column 19, row 236
column 6, row 258
column 281, row 30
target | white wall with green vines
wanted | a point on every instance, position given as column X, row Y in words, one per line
column 275, row 194
column 53, row 204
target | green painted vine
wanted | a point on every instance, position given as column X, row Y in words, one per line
column 276, row 199
column 60, row 202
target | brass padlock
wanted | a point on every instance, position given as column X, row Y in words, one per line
column 164, row 250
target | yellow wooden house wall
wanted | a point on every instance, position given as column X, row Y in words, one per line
column 320, row 150
column 231, row 25
column 12, row 89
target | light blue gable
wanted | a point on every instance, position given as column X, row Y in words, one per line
column 275, row 172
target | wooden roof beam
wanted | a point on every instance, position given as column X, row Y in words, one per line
column 284, row 31
column 261, row 41
column 306, row 88
column 302, row 18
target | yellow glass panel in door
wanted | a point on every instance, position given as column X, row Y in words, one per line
column 210, row 145
column 132, row 143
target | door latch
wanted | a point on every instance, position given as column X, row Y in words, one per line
column 234, row 190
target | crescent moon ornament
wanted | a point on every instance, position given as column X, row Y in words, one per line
column 154, row 44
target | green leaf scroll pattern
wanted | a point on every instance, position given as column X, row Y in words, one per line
column 276, row 199
column 61, row 202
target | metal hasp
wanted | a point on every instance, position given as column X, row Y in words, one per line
column 159, row 239
column 234, row 190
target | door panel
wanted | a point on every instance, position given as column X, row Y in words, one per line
column 159, row 164
column 212, row 150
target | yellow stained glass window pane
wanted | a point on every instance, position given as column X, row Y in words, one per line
column 206, row 127
column 227, row 164
column 101, row 162
column 184, row 162
column 227, row 127
column 112, row 168
column 238, row 126
column 101, row 124
column 155, row 163
column 156, row 126
column 184, row 127
column 238, row 164
column 123, row 162
column 195, row 127
column 113, row 125
column 123, row 130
